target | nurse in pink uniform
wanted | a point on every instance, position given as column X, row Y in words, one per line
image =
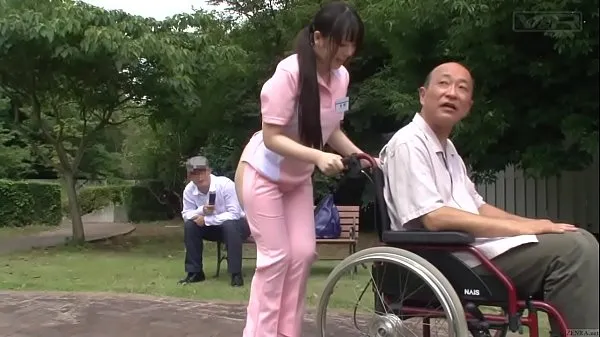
column 302, row 106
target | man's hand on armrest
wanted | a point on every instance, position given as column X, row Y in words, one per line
column 448, row 218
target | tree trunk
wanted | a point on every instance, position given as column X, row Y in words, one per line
column 69, row 183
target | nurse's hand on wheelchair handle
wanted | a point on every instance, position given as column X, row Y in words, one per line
column 358, row 161
column 330, row 163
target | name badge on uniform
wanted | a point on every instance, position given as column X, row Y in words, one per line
column 342, row 105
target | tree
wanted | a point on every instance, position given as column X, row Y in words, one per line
column 182, row 126
column 536, row 103
column 14, row 155
column 71, row 70
column 15, row 159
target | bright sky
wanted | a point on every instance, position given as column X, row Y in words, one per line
column 158, row 9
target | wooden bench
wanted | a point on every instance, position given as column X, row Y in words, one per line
column 349, row 216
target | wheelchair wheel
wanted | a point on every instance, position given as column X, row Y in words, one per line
column 384, row 317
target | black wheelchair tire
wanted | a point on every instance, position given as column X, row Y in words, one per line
column 433, row 278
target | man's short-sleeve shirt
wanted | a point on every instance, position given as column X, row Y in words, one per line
column 421, row 176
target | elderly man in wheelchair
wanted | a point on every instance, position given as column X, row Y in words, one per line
column 472, row 255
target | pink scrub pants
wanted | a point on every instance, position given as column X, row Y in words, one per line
column 281, row 221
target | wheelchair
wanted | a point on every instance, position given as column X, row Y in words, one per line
column 456, row 291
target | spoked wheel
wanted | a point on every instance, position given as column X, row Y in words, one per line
column 398, row 310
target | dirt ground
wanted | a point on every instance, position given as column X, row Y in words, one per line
column 36, row 314
column 56, row 314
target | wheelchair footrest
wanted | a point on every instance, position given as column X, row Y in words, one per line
column 478, row 326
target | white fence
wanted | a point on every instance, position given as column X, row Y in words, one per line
column 572, row 197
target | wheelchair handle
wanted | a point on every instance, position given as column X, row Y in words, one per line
column 352, row 162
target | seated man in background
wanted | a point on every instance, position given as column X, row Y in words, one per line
column 224, row 221
column 427, row 186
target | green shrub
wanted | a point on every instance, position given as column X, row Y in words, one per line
column 139, row 200
column 143, row 203
column 93, row 198
column 24, row 203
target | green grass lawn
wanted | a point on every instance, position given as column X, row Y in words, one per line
column 150, row 261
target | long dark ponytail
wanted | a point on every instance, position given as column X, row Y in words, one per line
column 339, row 22
column 309, row 101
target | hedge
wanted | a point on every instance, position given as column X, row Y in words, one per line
column 140, row 202
column 24, row 203
column 92, row 198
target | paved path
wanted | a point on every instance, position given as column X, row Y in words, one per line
column 93, row 231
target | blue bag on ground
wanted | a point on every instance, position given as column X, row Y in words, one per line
column 327, row 219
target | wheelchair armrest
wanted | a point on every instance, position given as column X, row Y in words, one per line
column 425, row 237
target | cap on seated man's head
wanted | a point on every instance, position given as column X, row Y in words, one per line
column 196, row 163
